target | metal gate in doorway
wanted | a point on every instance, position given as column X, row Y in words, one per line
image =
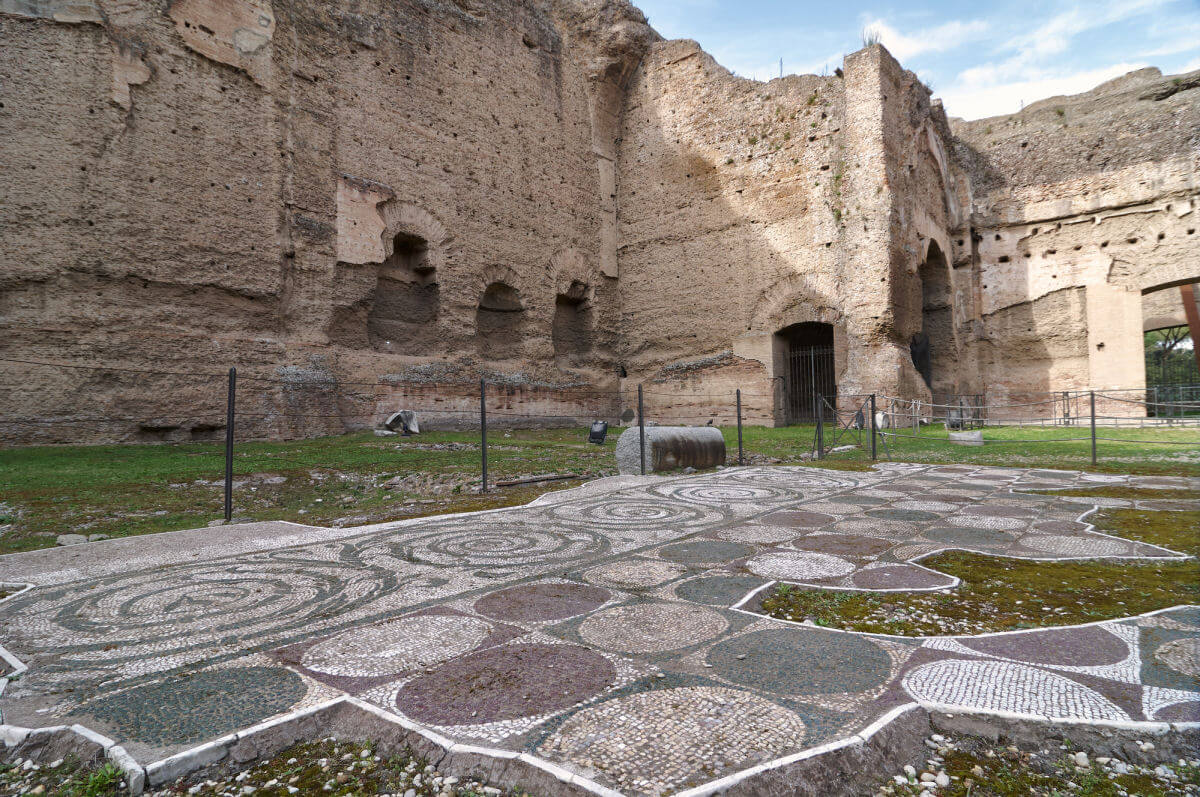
column 809, row 377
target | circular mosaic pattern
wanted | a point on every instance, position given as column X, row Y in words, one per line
column 724, row 493
column 900, row 577
column 541, row 602
column 843, row 544
column 1060, row 526
column 1187, row 711
column 1181, row 655
column 488, row 545
column 717, row 590
column 635, row 513
column 1087, row 646
column 788, row 566
column 796, row 661
column 965, row 535
column 753, row 532
column 799, row 518
column 396, row 646
column 1074, row 546
column 201, row 706
column 651, row 627
column 981, row 522
column 706, row 724
column 634, row 574
column 998, row 510
column 705, row 551
column 901, row 514
column 506, row 683
column 927, row 506
column 1000, row 686
column 856, row 500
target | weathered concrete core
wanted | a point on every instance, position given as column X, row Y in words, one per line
column 671, row 447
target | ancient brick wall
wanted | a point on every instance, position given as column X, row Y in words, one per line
column 1082, row 205
column 363, row 204
column 310, row 191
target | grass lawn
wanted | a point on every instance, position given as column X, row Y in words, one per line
column 1001, row 594
column 121, row 490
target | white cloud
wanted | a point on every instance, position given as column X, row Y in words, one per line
column 989, row 98
column 1191, row 66
column 931, row 40
column 1055, row 34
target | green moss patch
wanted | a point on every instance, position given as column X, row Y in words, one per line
column 1126, row 492
column 1002, row 594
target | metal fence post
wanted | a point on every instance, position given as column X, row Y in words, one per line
column 483, row 430
column 229, row 445
column 873, row 452
column 642, row 430
column 1093, row 396
column 741, row 459
column 820, row 428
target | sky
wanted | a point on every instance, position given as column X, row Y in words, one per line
column 981, row 58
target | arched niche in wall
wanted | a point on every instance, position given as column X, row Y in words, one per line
column 500, row 317
column 933, row 348
column 573, row 326
column 406, row 302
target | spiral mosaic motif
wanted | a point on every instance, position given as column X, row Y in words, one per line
column 208, row 602
column 723, row 494
column 792, row 478
column 635, row 514
column 488, row 545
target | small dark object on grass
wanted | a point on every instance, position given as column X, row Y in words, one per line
column 598, row 432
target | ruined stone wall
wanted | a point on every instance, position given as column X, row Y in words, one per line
column 1081, row 205
column 368, row 204
column 323, row 194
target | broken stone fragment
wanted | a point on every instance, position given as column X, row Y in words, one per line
column 70, row 539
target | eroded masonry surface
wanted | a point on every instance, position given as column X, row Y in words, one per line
column 605, row 629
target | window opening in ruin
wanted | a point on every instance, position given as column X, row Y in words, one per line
column 1169, row 341
column 499, row 322
column 809, row 376
column 405, row 303
column 571, row 332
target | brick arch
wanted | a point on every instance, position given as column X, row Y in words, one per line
column 574, row 277
column 790, row 301
column 405, row 218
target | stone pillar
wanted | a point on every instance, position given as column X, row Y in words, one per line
column 1116, row 356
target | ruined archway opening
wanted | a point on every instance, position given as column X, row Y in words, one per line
column 572, row 329
column 405, row 303
column 809, row 376
column 499, row 322
column 932, row 349
column 1171, row 324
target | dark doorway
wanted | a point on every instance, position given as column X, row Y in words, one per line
column 932, row 349
column 808, row 375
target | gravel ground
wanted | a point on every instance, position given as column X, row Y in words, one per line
column 974, row 767
column 321, row 768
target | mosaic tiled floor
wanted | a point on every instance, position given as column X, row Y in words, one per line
column 598, row 629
